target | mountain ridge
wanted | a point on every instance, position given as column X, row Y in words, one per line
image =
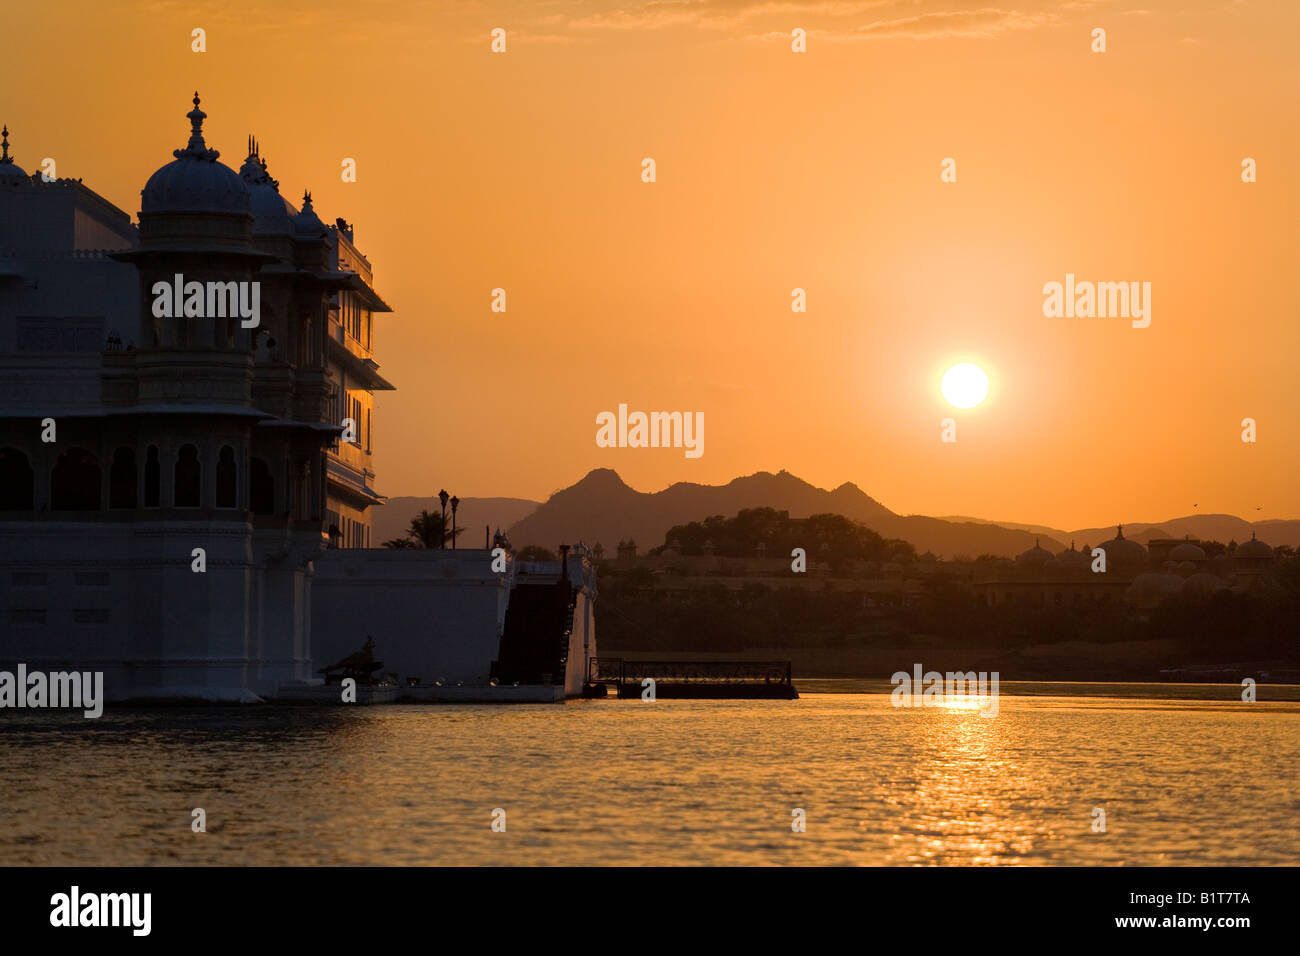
column 601, row 508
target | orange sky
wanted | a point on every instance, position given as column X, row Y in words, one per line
column 775, row 170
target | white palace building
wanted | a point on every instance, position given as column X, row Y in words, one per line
column 172, row 487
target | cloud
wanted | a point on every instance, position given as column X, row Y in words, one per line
column 826, row 18
column 721, row 14
column 985, row 23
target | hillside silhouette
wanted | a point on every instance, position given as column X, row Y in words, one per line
column 602, row 508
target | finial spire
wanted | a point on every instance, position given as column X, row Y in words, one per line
column 4, row 145
column 196, row 148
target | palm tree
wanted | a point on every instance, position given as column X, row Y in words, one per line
column 428, row 530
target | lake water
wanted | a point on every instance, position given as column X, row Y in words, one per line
column 673, row 782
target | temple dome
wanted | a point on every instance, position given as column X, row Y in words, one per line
column 1124, row 553
column 272, row 213
column 195, row 181
column 1036, row 555
column 1187, row 552
column 1074, row 558
column 307, row 225
column 1253, row 548
column 9, row 170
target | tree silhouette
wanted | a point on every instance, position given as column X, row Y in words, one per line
column 428, row 529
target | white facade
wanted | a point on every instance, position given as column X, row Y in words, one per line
column 164, row 530
column 176, row 507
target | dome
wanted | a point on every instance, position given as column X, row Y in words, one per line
column 272, row 213
column 1253, row 549
column 1185, row 568
column 1035, row 556
column 307, row 225
column 1074, row 558
column 9, row 170
column 1123, row 553
column 195, row 181
column 1187, row 552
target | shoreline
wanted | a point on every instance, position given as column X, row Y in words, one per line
column 1124, row 690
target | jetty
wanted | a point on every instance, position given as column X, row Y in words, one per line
column 741, row 680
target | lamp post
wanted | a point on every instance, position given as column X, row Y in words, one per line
column 442, row 538
column 455, row 503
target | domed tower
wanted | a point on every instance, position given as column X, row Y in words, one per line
column 9, row 170
column 1251, row 558
column 1189, row 552
column 1073, row 559
column 1037, row 557
column 1123, row 555
column 196, row 237
column 222, row 466
column 272, row 214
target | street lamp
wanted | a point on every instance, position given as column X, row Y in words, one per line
column 455, row 503
column 442, row 538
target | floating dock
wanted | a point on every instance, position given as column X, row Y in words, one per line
column 741, row 680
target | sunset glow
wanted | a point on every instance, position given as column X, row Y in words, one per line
column 776, row 170
column 965, row 385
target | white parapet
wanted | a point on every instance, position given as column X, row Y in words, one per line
column 435, row 615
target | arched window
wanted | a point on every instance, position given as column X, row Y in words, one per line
column 17, row 481
column 261, row 488
column 121, row 479
column 152, row 478
column 226, row 492
column 188, row 478
column 74, row 485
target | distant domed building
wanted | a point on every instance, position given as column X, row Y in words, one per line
column 1253, row 550
column 1072, row 558
column 1039, row 578
column 1188, row 552
column 1036, row 556
column 1124, row 554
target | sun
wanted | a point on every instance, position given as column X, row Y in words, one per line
column 965, row 385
